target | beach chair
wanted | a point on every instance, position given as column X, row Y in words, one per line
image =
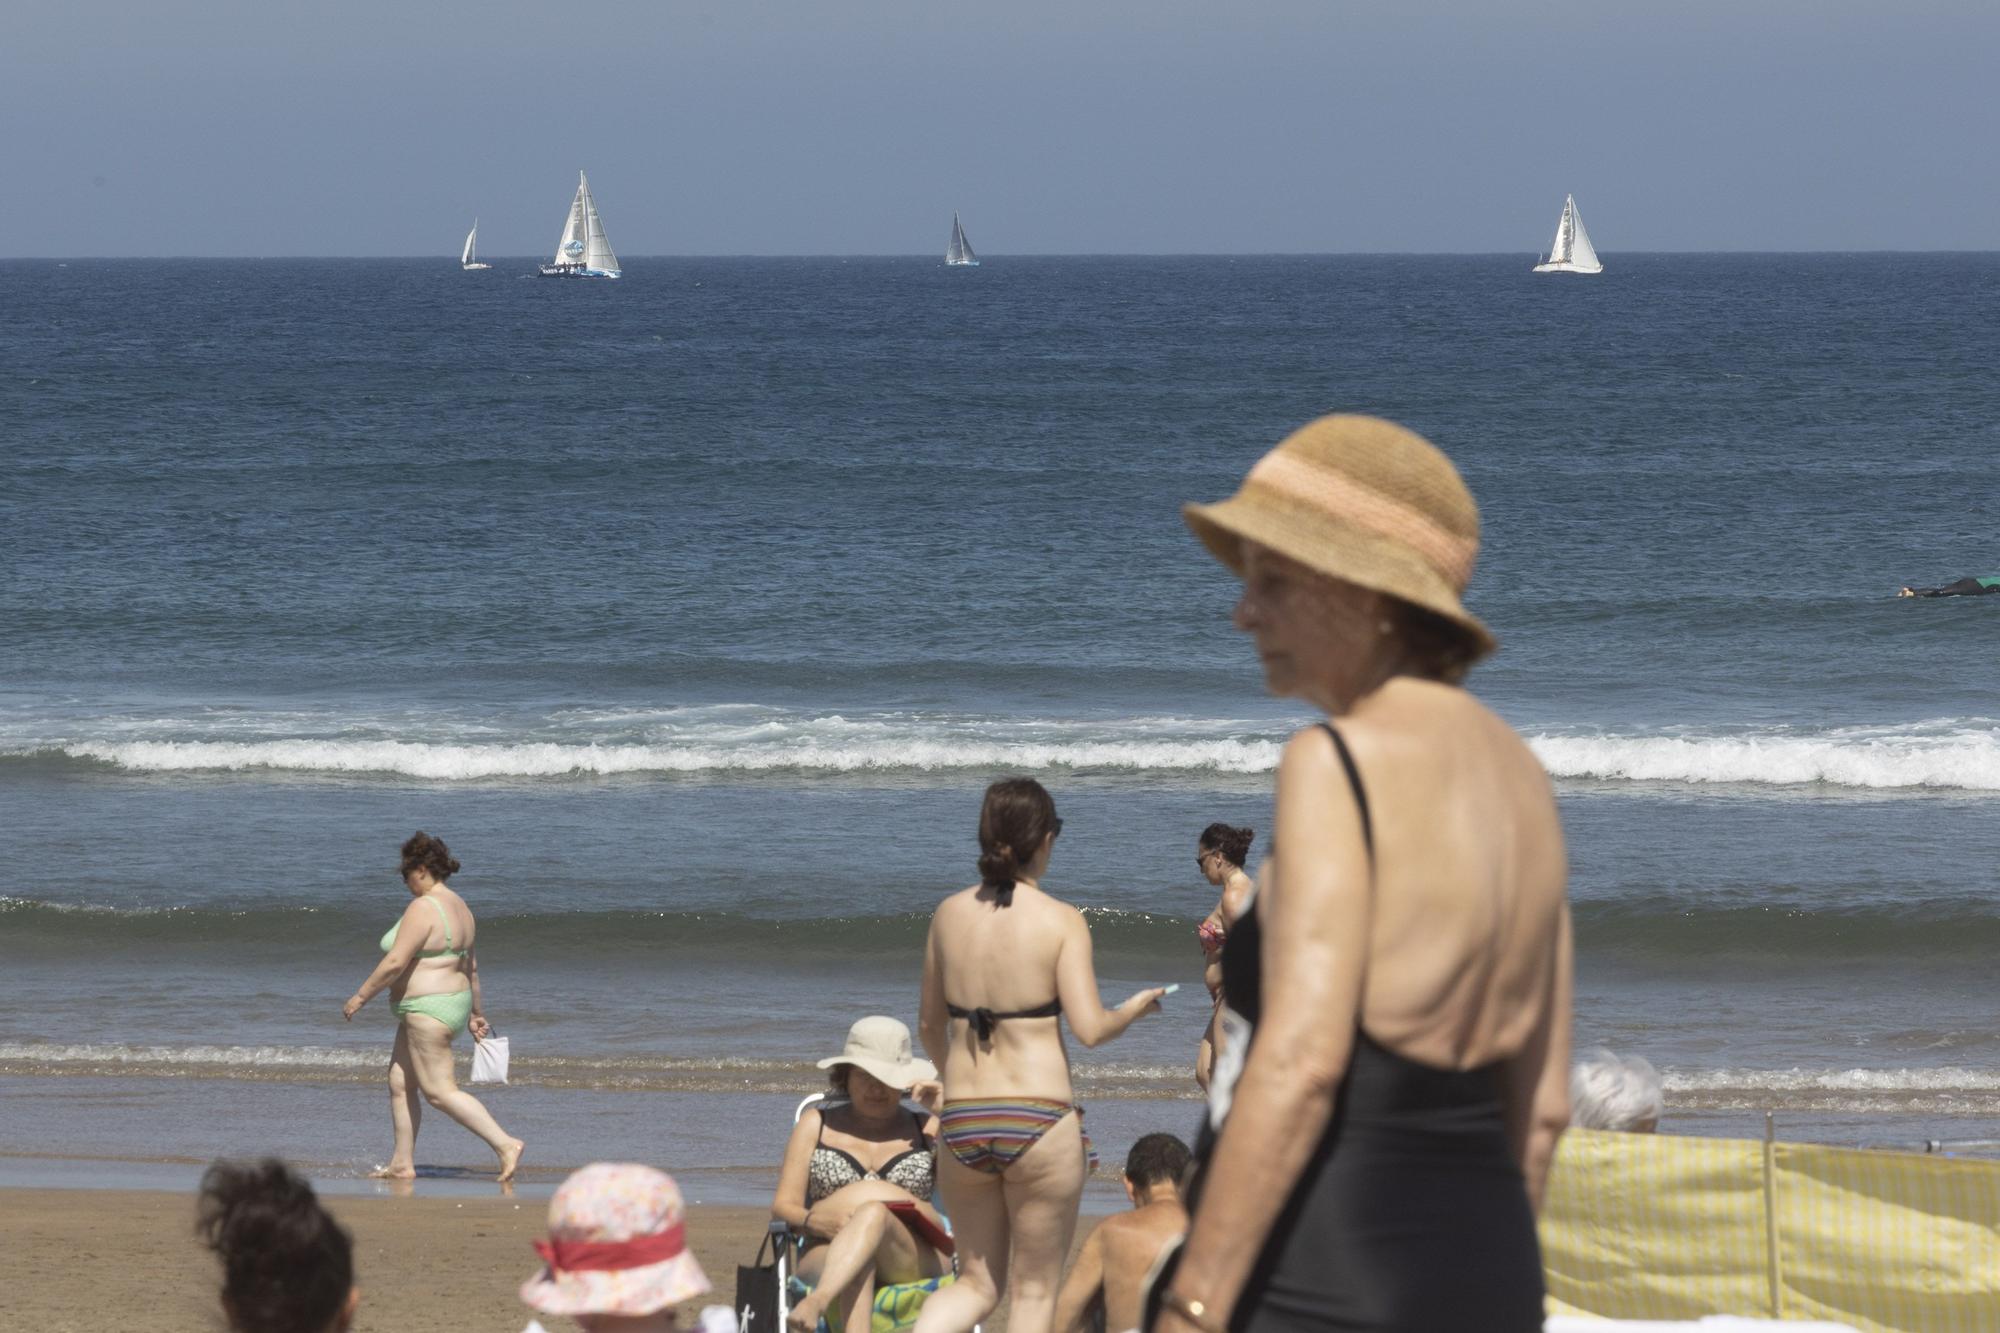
column 896, row 1306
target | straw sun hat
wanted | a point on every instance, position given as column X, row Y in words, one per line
column 880, row 1046
column 617, row 1245
column 1361, row 500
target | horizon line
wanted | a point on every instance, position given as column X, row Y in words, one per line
column 1023, row 254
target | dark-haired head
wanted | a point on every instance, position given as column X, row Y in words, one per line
column 287, row 1266
column 423, row 852
column 1232, row 844
column 1155, row 1160
column 1015, row 824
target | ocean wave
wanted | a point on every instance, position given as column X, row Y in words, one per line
column 31, row 924
column 620, row 1073
column 749, row 741
column 1961, row 755
column 1942, row 1092
column 1678, row 928
column 552, row 759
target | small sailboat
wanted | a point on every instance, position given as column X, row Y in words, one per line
column 1572, row 252
column 583, row 252
column 959, row 254
column 468, row 259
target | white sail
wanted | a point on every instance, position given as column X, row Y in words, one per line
column 569, row 249
column 1582, row 254
column 1572, row 251
column 959, row 251
column 583, row 252
column 471, row 237
column 596, row 250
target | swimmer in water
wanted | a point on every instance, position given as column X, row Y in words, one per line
column 1976, row 587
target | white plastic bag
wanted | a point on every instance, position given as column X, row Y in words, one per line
column 489, row 1060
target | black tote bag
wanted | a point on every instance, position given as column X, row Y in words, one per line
column 757, row 1291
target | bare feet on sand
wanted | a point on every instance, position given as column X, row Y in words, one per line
column 510, row 1159
column 393, row 1172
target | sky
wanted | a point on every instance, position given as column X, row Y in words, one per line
column 366, row 128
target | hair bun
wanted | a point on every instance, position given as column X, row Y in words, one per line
column 998, row 868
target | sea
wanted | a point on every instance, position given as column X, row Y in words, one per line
column 696, row 610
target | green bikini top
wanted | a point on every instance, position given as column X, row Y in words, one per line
column 389, row 937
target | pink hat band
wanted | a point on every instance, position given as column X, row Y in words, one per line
column 610, row 1256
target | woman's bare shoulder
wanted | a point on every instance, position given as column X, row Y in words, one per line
column 954, row 903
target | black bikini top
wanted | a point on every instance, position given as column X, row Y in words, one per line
column 1242, row 959
column 983, row 1020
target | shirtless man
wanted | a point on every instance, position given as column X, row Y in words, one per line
column 1121, row 1251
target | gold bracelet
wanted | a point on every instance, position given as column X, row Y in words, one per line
column 1195, row 1312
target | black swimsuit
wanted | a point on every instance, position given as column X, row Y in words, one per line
column 1411, row 1213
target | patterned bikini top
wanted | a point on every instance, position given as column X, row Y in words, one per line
column 913, row 1169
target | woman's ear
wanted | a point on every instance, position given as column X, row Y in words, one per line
column 345, row 1320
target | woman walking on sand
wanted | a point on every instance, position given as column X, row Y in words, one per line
column 432, row 974
column 1220, row 856
column 1004, row 964
column 1395, row 1065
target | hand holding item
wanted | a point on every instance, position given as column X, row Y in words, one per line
column 479, row 1027
column 352, row 1007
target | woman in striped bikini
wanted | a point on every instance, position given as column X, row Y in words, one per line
column 1004, row 964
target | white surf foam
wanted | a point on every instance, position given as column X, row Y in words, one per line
column 1944, row 754
column 1943, row 1079
column 1961, row 755
column 459, row 762
column 258, row 1057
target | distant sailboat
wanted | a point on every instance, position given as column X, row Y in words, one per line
column 583, row 252
column 469, row 259
column 1572, row 252
column 959, row 254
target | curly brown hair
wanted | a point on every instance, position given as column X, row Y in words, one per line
column 287, row 1266
column 1232, row 842
column 423, row 852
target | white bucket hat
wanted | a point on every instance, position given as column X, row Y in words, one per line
column 880, row 1047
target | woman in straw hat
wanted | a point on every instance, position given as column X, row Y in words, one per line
column 1396, row 1039
column 617, row 1255
column 852, row 1161
column 1005, row 964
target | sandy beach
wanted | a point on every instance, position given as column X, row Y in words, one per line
column 97, row 1259
column 89, row 1260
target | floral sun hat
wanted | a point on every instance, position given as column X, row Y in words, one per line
column 617, row 1245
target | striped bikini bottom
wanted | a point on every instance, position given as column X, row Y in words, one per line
column 988, row 1133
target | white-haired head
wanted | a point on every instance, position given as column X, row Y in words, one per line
column 1608, row 1091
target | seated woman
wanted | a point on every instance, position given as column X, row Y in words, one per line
column 852, row 1158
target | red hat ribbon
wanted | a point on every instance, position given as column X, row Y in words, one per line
column 590, row 1256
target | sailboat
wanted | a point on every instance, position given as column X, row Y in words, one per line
column 959, row 254
column 469, row 258
column 1572, row 252
column 583, row 252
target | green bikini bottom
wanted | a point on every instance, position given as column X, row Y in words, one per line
column 451, row 1008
